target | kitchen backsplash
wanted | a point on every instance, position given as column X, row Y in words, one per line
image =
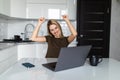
column 3, row 29
column 18, row 27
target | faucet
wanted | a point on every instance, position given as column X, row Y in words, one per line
column 28, row 31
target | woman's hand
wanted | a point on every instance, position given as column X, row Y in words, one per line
column 65, row 17
column 41, row 20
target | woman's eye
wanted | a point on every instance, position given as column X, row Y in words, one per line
column 56, row 27
column 51, row 30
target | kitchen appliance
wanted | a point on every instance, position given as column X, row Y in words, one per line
column 16, row 38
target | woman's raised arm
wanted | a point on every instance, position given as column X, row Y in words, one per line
column 71, row 28
column 35, row 36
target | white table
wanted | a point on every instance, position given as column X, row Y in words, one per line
column 108, row 69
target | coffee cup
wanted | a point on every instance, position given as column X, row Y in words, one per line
column 95, row 59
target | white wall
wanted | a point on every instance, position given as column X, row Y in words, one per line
column 115, row 30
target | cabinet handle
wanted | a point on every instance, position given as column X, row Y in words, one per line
column 81, row 36
column 108, row 10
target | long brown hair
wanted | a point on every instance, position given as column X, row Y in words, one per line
column 50, row 22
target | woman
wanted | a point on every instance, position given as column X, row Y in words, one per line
column 55, row 37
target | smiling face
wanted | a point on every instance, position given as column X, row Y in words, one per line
column 54, row 29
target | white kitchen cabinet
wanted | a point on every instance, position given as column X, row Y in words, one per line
column 37, row 50
column 71, row 9
column 51, row 8
column 18, row 8
column 8, row 57
column 5, row 7
column 33, row 9
column 47, row 10
column 26, row 51
column 47, row 1
column 13, row 8
column 41, row 50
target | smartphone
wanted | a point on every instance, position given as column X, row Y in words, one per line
column 28, row 65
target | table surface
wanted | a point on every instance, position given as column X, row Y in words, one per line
column 108, row 69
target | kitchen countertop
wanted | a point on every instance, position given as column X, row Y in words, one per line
column 14, row 41
column 108, row 69
column 8, row 44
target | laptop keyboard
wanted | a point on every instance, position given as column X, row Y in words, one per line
column 51, row 65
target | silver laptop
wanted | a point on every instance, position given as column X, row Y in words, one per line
column 69, row 57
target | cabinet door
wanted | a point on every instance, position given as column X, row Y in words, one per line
column 26, row 51
column 13, row 8
column 47, row 1
column 5, row 7
column 18, row 8
column 47, row 10
column 8, row 57
column 41, row 50
column 71, row 9
column 51, row 8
